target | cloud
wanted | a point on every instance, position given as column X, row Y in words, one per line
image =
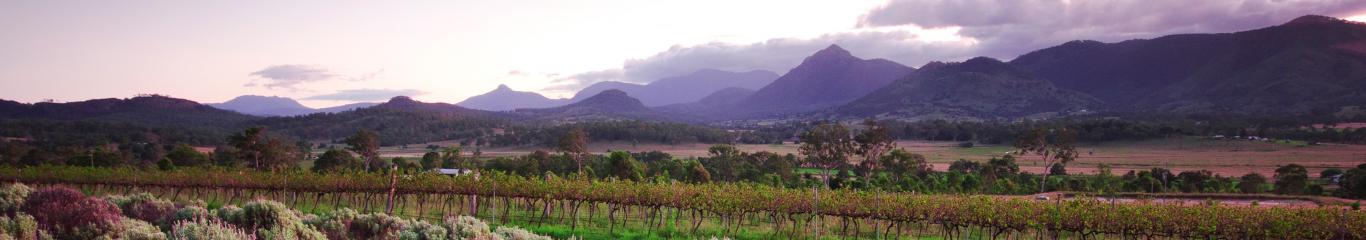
column 365, row 94
column 289, row 76
column 907, row 45
column 1006, row 28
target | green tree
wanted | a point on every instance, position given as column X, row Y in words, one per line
column 185, row 156
column 366, row 144
column 250, row 145
column 901, row 163
column 575, row 144
column 827, row 146
column 698, row 173
column 1353, row 182
column 624, row 167
column 431, row 160
column 873, row 142
column 1292, row 179
column 1053, row 145
column 335, row 160
column 450, row 158
column 1251, row 183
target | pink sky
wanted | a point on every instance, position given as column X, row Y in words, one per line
column 441, row 50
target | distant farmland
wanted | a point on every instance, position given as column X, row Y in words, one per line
column 1223, row 157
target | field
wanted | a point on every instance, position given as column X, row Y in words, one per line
column 1223, row 157
column 631, row 210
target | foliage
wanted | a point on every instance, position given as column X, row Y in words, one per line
column 145, row 207
column 133, row 229
column 466, row 227
column 366, row 144
column 208, row 230
column 19, row 226
column 12, row 195
column 336, row 160
column 1291, row 179
column 270, row 219
column 827, row 146
column 1251, row 183
column 1011, row 214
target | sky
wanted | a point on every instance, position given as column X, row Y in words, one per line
column 328, row 53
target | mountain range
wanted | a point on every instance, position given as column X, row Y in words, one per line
column 278, row 106
column 1311, row 65
column 682, row 89
column 830, row 77
column 504, row 98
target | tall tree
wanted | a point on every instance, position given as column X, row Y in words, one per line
column 873, row 142
column 431, row 160
column 827, row 146
column 1053, row 145
column 901, row 163
column 1251, row 183
column 575, row 144
column 1291, row 179
column 621, row 165
column 249, row 144
column 335, row 159
column 366, row 144
column 183, row 155
column 450, row 157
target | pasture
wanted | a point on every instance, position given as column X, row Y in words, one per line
column 1223, row 157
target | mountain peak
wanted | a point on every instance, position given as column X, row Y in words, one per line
column 613, row 93
column 832, row 51
column 1312, row 19
column 401, row 99
column 503, row 87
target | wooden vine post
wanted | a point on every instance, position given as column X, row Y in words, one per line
column 393, row 188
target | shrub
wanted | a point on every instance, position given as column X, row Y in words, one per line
column 422, row 230
column 515, row 233
column 335, row 224
column 67, row 213
column 188, row 213
column 346, row 223
column 133, row 229
column 270, row 220
column 12, row 196
column 465, row 227
column 44, row 204
column 207, row 230
column 229, row 214
column 21, row 226
column 88, row 218
column 377, row 226
column 144, row 206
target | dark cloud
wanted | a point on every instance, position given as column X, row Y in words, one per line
column 289, row 76
column 366, row 94
column 777, row 55
column 1006, row 28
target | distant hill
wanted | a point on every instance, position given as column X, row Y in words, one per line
column 110, row 120
column 607, row 105
column 278, row 106
column 981, row 88
column 1312, row 64
column 830, row 77
column 347, row 107
column 718, row 99
column 264, row 106
column 401, row 120
column 141, row 110
column 504, row 98
column 683, row 89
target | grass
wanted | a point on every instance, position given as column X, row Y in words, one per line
column 598, row 226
